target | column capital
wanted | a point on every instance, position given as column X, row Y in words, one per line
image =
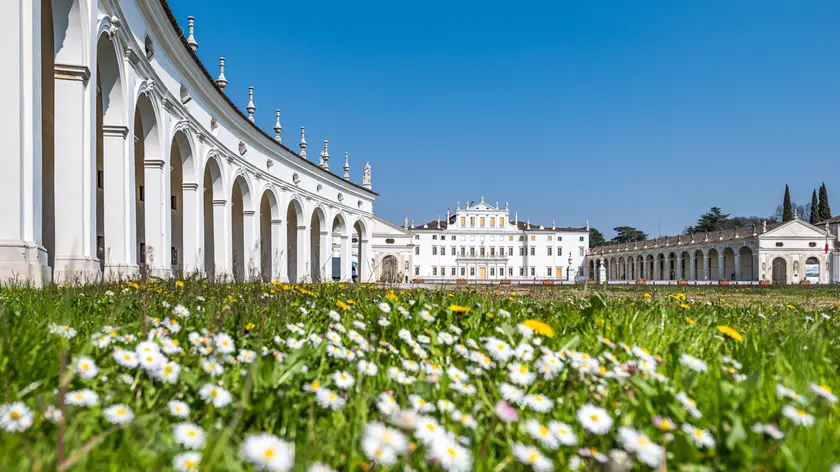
column 72, row 72
column 153, row 163
column 276, row 222
column 115, row 131
column 248, row 212
column 219, row 202
column 189, row 186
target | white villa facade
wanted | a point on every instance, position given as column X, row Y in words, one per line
column 787, row 253
column 482, row 243
column 123, row 155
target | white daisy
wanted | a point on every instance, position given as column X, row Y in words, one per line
column 520, row 374
column 119, row 414
column 541, row 433
column 701, row 437
column 268, row 452
column 189, row 435
column 798, row 416
column 84, row 397
column 15, row 417
column 86, row 368
column 125, row 358
column 384, row 307
column 178, row 409
column 538, row 402
column 594, row 419
column 329, row 399
column 693, row 363
column 187, row 462
column 823, row 391
column 450, row 455
column 563, row 433
column 530, row 455
column 343, row 380
column 224, row 343
column 216, row 395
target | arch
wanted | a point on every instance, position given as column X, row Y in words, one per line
column 729, row 270
column 294, row 244
column 650, row 262
column 780, row 270
column 213, row 196
column 148, row 164
column 389, row 269
column 269, row 234
column 671, row 272
column 748, row 269
column 342, row 249
column 318, row 245
column 363, row 272
column 714, row 264
column 661, row 266
column 69, row 21
column 812, row 269
column 182, row 205
column 242, row 221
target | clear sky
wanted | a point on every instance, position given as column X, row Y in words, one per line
column 623, row 113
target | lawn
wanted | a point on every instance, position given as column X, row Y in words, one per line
column 189, row 376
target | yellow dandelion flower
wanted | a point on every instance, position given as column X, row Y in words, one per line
column 179, row 283
column 539, row 327
column 731, row 333
column 690, row 321
column 250, row 326
column 599, row 322
column 791, row 307
column 342, row 305
column 391, row 296
column 646, row 295
column 685, row 306
column 458, row 309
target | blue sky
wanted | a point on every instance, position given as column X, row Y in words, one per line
column 623, row 113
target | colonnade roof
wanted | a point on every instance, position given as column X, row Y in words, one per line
column 180, row 33
column 687, row 240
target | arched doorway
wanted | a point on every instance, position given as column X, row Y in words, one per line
column 148, row 172
column 671, row 273
column 779, row 271
column 318, row 244
column 699, row 266
column 242, row 222
column 812, row 270
column 294, row 213
column 389, row 269
column 269, row 235
column 747, row 270
column 183, row 245
column 341, row 250
column 363, row 266
column 214, row 206
column 729, row 264
column 714, row 271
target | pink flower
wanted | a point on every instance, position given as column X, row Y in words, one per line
column 505, row 412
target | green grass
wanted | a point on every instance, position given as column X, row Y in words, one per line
column 789, row 338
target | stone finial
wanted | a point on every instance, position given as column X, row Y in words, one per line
column 278, row 128
column 457, row 205
column 482, row 199
column 795, row 213
column 763, row 226
column 587, row 225
column 497, row 204
column 448, row 215
column 347, row 166
column 412, row 223
column 251, row 108
column 302, row 143
column 325, row 156
column 405, row 222
column 552, row 225
column 366, row 176
column 516, row 217
column 222, row 81
column 527, row 224
column 754, row 231
column 191, row 38
column 506, row 205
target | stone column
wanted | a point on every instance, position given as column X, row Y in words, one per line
column 692, row 272
column 119, row 263
column 221, row 240
column 678, row 269
column 737, row 266
column 75, row 177
column 721, row 266
column 326, row 256
column 347, row 259
column 756, row 275
column 192, row 257
column 157, row 217
column 251, row 245
column 706, row 263
column 278, row 245
column 656, row 275
column 303, row 261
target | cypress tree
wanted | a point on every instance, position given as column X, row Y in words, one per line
column 787, row 209
column 824, row 208
column 815, row 209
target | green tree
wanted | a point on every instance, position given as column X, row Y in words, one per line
column 711, row 221
column 628, row 234
column 824, row 208
column 815, row 212
column 787, row 208
column 596, row 238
